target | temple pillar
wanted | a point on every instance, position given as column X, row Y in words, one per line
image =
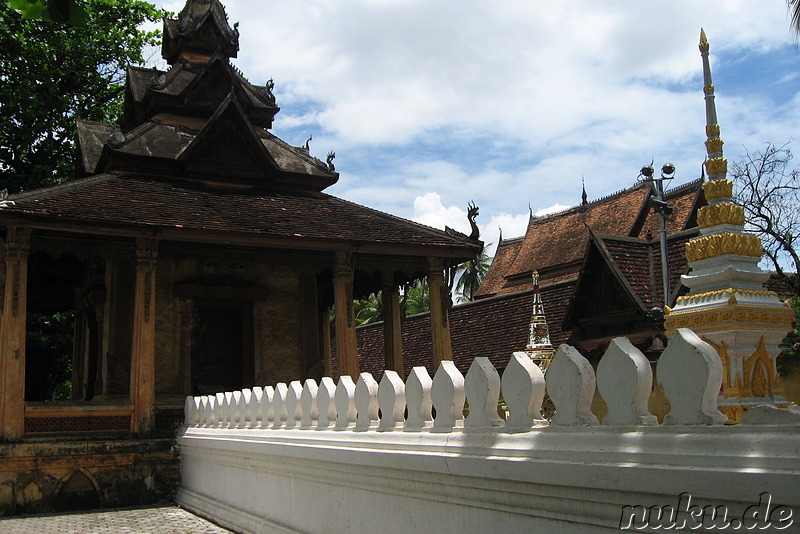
column 12, row 334
column 144, row 334
column 346, row 341
column 440, row 305
column 392, row 332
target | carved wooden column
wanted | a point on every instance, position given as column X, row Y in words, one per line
column 440, row 304
column 144, row 333
column 346, row 342
column 12, row 334
column 392, row 332
column 186, row 307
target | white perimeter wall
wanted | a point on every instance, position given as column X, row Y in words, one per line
column 550, row 480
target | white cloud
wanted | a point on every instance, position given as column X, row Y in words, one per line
column 429, row 210
column 508, row 103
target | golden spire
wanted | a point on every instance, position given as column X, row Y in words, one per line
column 716, row 165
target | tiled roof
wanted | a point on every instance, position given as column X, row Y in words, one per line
column 555, row 244
column 560, row 239
column 120, row 199
column 684, row 201
column 639, row 262
column 503, row 258
column 493, row 327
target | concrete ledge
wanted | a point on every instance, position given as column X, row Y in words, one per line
column 555, row 479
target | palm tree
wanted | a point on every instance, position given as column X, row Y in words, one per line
column 471, row 275
column 370, row 309
column 417, row 298
column 794, row 15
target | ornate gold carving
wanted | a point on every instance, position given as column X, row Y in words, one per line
column 714, row 145
column 716, row 245
column 717, row 166
column 720, row 214
column 734, row 412
column 704, row 46
column 718, row 189
column 728, row 291
column 708, row 89
column 758, row 372
column 744, row 316
column 712, row 130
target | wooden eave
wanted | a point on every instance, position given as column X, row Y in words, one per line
column 596, row 242
column 225, row 237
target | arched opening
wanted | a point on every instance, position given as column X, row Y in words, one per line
column 79, row 492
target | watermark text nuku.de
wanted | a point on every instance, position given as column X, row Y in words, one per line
column 686, row 515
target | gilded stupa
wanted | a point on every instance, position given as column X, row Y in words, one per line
column 539, row 348
column 727, row 305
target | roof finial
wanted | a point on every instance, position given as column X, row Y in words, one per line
column 716, row 165
column 584, row 197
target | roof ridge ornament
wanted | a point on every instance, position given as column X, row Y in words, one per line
column 4, row 199
column 472, row 214
column 117, row 138
column 584, row 197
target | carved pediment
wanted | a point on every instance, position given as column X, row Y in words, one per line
column 229, row 143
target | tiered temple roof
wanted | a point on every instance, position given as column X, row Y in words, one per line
column 193, row 161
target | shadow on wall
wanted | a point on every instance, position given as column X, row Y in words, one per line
column 791, row 385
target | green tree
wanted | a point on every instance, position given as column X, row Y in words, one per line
column 471, row 275
column 794, row 15
column 48, row 356
column 417, row 298
column 370, row 309
column 69, row 11
column 789, row 358
column 54, row 73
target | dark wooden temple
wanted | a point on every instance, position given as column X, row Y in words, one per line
column 197, row 253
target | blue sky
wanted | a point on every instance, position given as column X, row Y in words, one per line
column 431, row 104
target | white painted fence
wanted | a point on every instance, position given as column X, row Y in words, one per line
column 359, row 457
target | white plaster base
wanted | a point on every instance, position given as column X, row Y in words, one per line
column 549, row 480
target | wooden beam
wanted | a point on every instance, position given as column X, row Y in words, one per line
column 440, row 304
column 144, row 335
column 346, row 341
column 12, row 334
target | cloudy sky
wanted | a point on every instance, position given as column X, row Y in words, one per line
column 511, row 103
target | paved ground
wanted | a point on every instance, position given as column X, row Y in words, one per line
column 155, row 520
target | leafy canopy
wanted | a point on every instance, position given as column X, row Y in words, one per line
column 52, row 73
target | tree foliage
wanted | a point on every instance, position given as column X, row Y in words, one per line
column 794, row 15
column 370, row 309
column 48, row 356
column 53, row 73
column 471, row 275
column 417, row 298
column 769, row 191
column 789, row 358
column 69, row 11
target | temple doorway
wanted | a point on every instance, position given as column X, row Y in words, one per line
column 222, row 346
